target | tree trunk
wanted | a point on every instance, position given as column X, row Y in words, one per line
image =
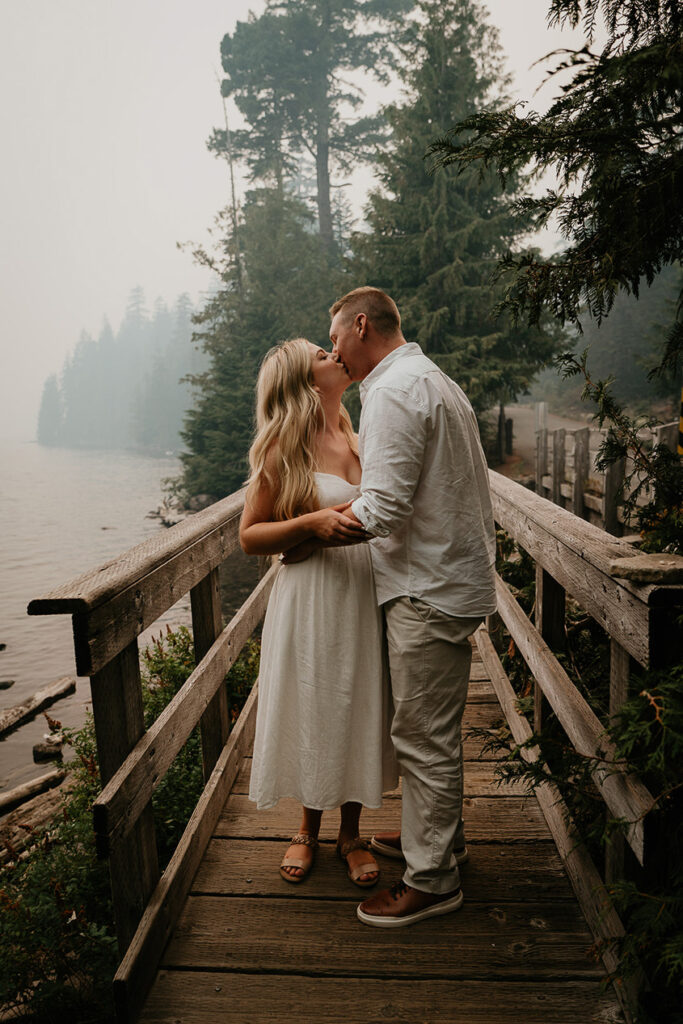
column 322, row 167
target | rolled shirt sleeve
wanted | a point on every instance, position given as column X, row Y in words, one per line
column 392, row 448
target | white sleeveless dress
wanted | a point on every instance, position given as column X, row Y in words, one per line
column 324, row 706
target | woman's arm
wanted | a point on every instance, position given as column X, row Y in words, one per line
column 260, row 534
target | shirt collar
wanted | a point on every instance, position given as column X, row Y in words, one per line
column 410, row 348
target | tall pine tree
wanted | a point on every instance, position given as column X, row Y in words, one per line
column 294, row 74
column 283, row 292
column 435, row 238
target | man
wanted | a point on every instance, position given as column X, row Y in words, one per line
column 425, row 499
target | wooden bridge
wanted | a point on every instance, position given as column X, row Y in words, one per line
column 220, row 936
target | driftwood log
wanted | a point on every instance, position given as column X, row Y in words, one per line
column 18, row 829
column 12, row 798
column 16, row 716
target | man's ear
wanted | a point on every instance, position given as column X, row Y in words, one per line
column 361, row 325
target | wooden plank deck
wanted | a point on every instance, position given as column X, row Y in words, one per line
column 251, row 948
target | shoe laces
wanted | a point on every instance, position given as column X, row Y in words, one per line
column 398, row 889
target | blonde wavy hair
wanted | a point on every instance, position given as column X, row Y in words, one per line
column 289, row 417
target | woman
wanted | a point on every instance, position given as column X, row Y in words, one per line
column 322, row 728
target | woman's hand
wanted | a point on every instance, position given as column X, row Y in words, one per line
column 333, row 527
column 300, row 552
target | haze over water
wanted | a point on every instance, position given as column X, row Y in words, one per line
column 62, row 512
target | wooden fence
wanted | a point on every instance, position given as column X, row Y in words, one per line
column 575, row 558
column 112, row 605
column 565, row 473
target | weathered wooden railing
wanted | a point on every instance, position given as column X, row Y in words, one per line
column 565, row 472
column 577, row 559
column 110, row 607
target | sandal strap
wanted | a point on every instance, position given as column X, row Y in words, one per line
column 354, row 844
column 293, row 862
column 364, row 869
column 303, row 839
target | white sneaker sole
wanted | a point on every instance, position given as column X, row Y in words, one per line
column 461, row 857
column 436, row 910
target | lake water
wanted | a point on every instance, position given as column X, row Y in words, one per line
column 63, row 512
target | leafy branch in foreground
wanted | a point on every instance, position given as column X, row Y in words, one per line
column 614, row 141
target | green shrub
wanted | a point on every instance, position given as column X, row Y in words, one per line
column 58, row 951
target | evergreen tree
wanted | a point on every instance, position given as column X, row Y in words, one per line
column 289, row 73
column 434, row 239
column 287, row 288
column 613, row 138
column 50, row 415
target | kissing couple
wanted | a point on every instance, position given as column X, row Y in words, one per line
column 388, row 549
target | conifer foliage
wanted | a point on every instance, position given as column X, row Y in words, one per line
column 614, row 139
column 434, row 240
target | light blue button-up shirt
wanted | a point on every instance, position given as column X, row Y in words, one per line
column 425, row 489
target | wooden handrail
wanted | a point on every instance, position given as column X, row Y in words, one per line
column 113, row 604
column 624, row 794
column 581, row 557
column 125, row 796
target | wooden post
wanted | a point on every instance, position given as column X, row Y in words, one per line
column 619, row 672
column 509, row 435
column 549, row 621
column 558, row 465
column 540, row 416
column 500, row 446
column 614, row 479
column 581, row 470
column 495, row 627
column 207, row 623
column 119, row 724
column 541, row 459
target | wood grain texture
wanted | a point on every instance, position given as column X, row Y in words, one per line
column 515, row 819
column 581, row 469
column 136, row 971
column 603, row 920
column 101, row 632
column 96, row 586
column 625, row 795
column 483, row 940
column 578, row 555
column 207, row 625
column 119, row 723
column 200, row 997
column 495, row 871
column 480, row 780
column 120, row 802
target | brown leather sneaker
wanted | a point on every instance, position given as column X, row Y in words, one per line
column 402, row 905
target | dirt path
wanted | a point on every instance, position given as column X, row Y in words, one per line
column 522, row 462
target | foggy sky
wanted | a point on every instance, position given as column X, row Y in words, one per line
column 105, row 108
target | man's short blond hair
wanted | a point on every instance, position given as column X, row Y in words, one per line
column 380, row 309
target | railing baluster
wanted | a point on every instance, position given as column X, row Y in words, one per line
column 119, row 724
column 558, row 465
column 619, row 674
column 581, row 470
column 549, row 621
column 614, row 479
column 207, row 623
column 541, row 459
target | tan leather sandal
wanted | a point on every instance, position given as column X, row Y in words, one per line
column 300, row 839
column 344, row 849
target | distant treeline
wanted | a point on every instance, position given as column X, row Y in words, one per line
column 125, row 389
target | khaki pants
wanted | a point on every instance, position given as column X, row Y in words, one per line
column 429, row 662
